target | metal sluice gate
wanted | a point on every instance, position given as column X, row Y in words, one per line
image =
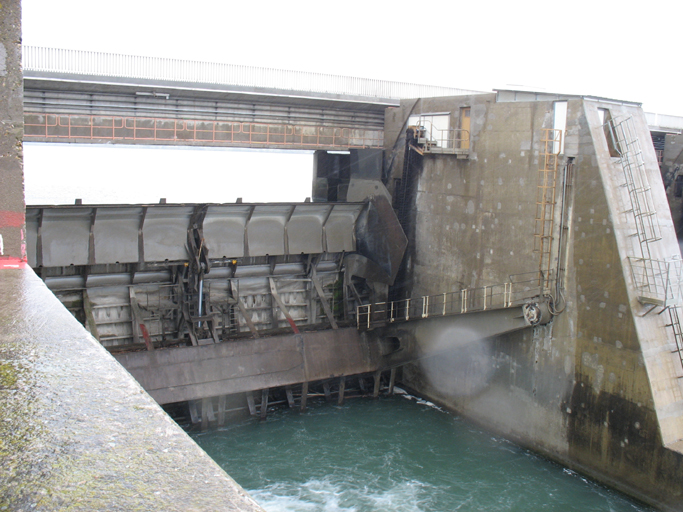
column 165, row 275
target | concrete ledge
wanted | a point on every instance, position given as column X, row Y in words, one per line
column 77, row 432
column 190, row 373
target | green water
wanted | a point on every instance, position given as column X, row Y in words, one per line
column 393, row 454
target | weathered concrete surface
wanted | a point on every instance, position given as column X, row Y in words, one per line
column 190, row 373
column 447, row 337
column 597, row 389
column 11, row 133
column 77, row 432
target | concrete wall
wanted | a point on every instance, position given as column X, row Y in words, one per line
column 598, row 388
column 78, row 433
column 11, row 132
column 191, row 373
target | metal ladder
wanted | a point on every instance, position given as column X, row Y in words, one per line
column 628, row 147
column 545, row 202
column 678, row 332
column 653, row 277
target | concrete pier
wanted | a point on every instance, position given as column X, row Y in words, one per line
column 567, row 188
column 78, row 432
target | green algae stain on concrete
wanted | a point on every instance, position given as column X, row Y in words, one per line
column 8, row 376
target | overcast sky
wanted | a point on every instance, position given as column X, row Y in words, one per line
column 616, row 49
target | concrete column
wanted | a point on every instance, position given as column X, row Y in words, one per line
column 12, row 207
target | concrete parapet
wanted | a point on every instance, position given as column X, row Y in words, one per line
column 78, row 432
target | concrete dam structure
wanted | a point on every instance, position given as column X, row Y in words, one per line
column 509, row 255
column 538, row 295
column 599, row 387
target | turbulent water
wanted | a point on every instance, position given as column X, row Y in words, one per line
column 394, row 454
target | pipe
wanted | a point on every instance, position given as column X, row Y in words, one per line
column 201, row 293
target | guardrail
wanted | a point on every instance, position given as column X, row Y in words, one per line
column 658, row 281
column 467, row 300
column 79, row 62
column 142, row 129
column 437, row 140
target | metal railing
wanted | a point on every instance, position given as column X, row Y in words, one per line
column 658, row 281
column 467, row 300
column 437, row 140
column 140, row 129
column 79, row 62
column 675, row 325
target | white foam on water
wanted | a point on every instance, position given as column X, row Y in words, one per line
column 323, row 495
column 312, row 496
column 404, row 497
column 421, row 401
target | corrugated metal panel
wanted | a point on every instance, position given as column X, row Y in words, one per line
column 267, row 229
column 78, row 62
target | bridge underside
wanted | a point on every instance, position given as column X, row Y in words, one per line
column 84, row 112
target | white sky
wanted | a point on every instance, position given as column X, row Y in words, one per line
column 104, row 174
column 617, row 49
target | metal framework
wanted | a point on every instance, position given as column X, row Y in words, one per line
column 75, row 127
column 469, row 300
column 625, row 142
column 436, row 140
column 657, row 281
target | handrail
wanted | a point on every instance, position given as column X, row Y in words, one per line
column 658, row 282
column 450, row 138
column 80, row 62
column 467, row 300
column 150, row 129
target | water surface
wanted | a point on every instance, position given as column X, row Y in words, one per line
column 394, row 454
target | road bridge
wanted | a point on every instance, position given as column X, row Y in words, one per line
column 80, row 96
column 94, row 97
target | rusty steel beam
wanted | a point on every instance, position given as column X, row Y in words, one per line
column 40, row 127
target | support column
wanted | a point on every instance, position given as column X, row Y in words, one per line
column 290, row 396
column 207, row 412
column 264, row 403
column 221, row 410
column 251, row 404
column 392, row 381
column 378, row 379
column 194, row 416
column 12, row 207
column 304, row 396
column 342, row 389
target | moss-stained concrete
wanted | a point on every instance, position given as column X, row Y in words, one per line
column 77, row 432
column 598, row 388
